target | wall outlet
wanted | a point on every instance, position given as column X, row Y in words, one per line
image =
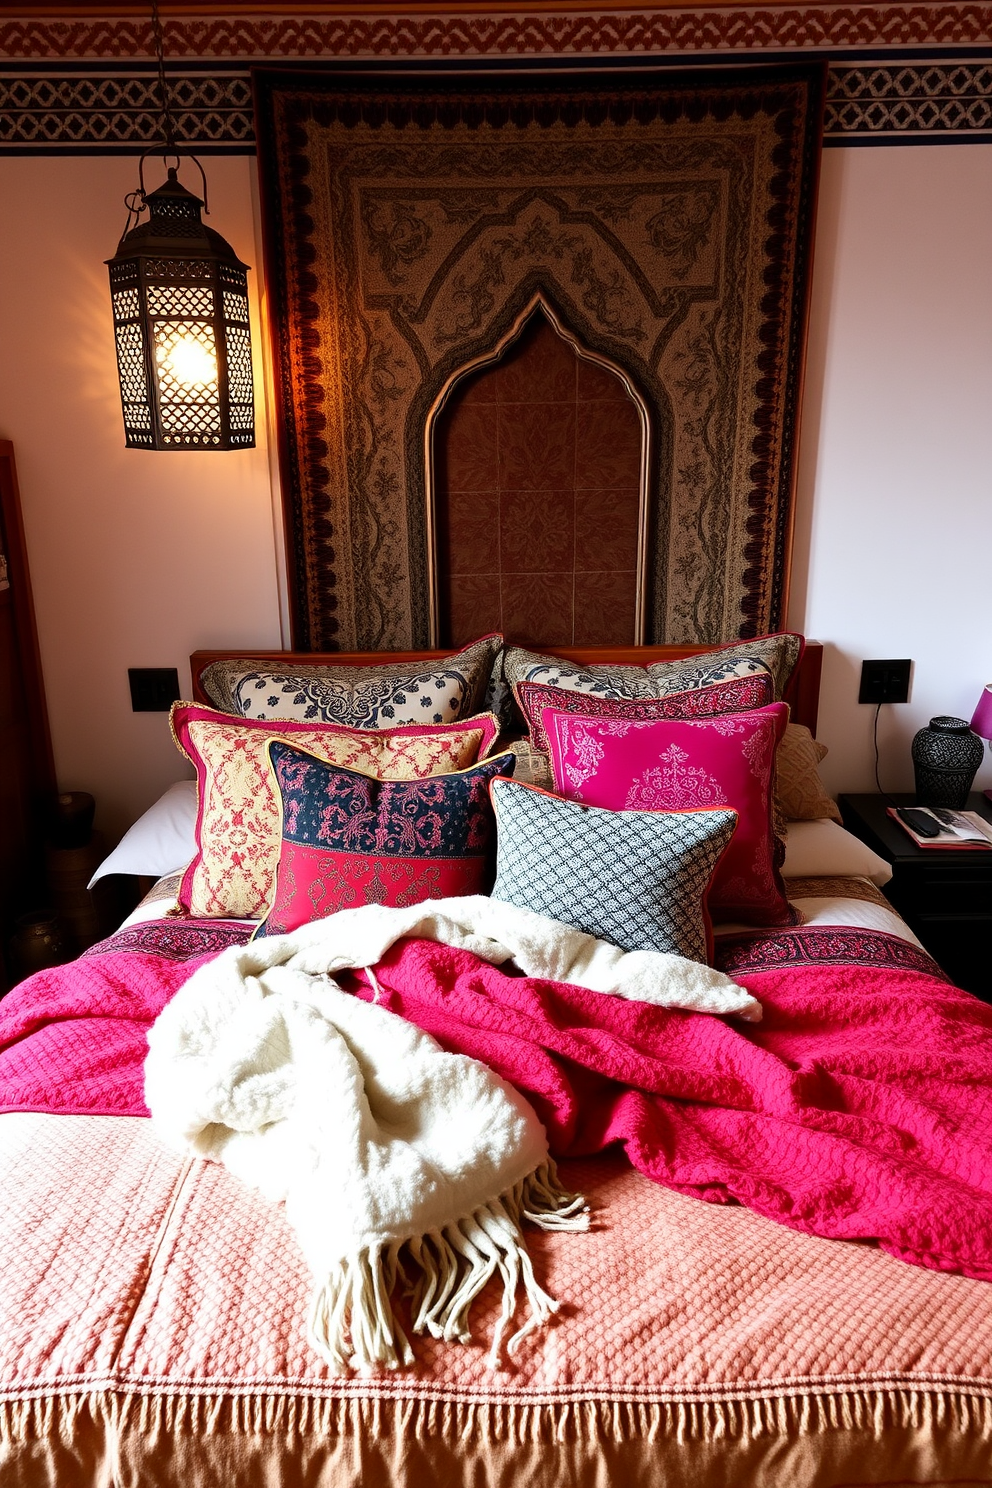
column 884, row 681
column 153, row 689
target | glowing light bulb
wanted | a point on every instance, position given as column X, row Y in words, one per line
column 188, row 361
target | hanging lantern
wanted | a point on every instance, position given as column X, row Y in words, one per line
column 180, row 302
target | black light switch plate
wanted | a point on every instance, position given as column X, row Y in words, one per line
column 153, row 689
column 885, row 681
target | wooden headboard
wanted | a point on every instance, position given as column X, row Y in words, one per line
column 802, row 695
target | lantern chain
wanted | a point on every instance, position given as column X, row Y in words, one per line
column 168, row 127
column 135, row 200
column 135, row 203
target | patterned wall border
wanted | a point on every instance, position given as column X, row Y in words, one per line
column 99, row 112
column 881, row 102
column 921, row 102
column 707, row 28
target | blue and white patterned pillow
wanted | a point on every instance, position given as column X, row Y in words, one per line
column 635, row 878
column 367, row 696
column 777, row 654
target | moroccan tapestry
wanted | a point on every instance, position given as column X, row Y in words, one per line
column 413, row 223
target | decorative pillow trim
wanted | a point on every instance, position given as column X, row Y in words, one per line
column 237, row 824
column 347, row 838
column 636, row 878
column 737, row 695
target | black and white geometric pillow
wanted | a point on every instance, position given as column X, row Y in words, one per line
column 635, row 878
column 374, row 696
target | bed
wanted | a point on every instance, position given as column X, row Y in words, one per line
column 152, row 1302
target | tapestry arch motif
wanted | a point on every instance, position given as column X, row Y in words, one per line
column 666, row 222
column 551, row 545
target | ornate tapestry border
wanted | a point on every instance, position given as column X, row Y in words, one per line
column 113, row 112
column 318, row 471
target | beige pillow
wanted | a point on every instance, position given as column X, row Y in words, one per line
column 799, row 792
column 821, row 849
column 533, row 765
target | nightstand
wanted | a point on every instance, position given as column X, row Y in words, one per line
column 945, row 896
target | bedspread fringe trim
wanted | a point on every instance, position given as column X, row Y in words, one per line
column 871, row 1410
column 352, row 1324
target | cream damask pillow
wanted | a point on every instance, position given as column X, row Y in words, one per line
column 533, row 765
column 237, row 826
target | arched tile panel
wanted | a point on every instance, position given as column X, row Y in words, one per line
column 538, row 507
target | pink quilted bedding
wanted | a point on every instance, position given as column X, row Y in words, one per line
column 152, row 1309
column 859, row 1108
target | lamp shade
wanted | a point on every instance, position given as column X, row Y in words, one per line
column 180, row 303
column 981, row 720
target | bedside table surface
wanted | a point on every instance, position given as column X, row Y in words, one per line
column 871, row 812
column 943, row 894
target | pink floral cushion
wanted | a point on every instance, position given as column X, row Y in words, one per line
column 735, row 696
column 237, row 824
column 682, row 764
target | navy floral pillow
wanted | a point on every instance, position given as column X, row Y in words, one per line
column 349, row 839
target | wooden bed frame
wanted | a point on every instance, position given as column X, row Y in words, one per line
column 802, row 694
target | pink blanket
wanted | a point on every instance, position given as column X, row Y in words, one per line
column 860, row 1108
column 72, row 1039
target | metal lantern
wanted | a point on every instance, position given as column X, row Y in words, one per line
column 180, row 300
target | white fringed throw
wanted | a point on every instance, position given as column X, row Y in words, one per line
column 396, row 1161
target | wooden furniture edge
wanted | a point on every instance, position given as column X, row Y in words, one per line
column 802, row 694
column 43, row 759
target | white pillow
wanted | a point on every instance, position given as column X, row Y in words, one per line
column 822, row 849
column 161, row 841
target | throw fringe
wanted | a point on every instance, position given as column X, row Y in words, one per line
column 352, row 1324
column 871, row 1410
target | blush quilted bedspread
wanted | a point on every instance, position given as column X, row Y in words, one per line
column 152, row 1334
column 152, row 1309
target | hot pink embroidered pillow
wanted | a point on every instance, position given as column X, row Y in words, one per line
column 675, row 765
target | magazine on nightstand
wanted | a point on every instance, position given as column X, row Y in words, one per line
column 957, row 829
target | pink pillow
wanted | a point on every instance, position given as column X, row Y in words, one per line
column 734, row 696
column 677, row 765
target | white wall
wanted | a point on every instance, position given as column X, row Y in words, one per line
column 137, row 557
column 894, row 527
